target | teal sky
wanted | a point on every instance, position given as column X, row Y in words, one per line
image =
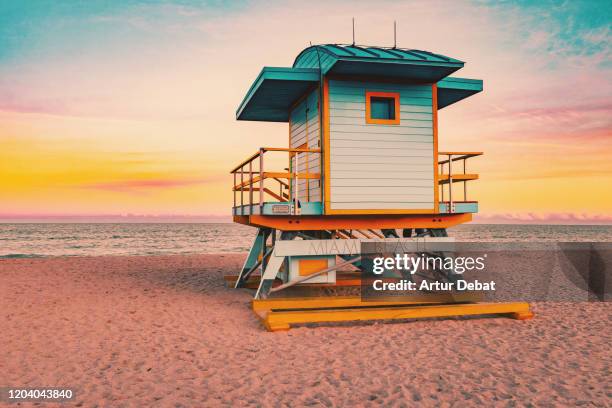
column 36, row 28
column 582, row 27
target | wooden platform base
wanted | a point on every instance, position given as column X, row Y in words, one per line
column 280, row 313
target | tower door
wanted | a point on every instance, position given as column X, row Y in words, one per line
column 304, row 133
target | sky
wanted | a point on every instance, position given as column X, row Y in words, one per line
column 129, row 107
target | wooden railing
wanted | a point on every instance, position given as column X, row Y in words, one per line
column 249, row 177
column 450, row 177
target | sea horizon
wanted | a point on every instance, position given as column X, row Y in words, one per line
column 35, row 240
column 566, row 219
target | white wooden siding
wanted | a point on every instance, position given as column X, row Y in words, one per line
column 304, row 128
column 380, row 167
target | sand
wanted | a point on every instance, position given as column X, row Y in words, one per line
column 164, row 331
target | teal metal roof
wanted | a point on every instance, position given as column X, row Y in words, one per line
column 401, row 63
column 451, row 90
column 274, row 91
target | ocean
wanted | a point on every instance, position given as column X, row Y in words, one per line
column 79, row 239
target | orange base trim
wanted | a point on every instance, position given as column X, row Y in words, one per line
column 334, row 222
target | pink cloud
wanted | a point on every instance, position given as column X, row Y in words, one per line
column 57, row 106
column 566, row 110
column 139, row 186
column 543, row 218
column 113, row 218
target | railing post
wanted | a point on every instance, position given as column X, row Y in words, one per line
column 242, row 189
column 450, row 183
column 297, row 187
column 442, row 185
column 251, row 187
column 464, row 183
column 234, row 190
column 261, row 179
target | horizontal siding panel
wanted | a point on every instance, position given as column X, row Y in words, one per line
column 312, row 161
column 362, row 154
column 368, row 165
column 426, row 201
column 424, row 124
column 312, row 132
column 382, row 144
column 311, row 158
column 381, row 138
column 301, row 131
column 362, row 160
column 364, row 171
column 382, row 152
column 365, row 205
column 374, row 178
column 391, row 180
column 380, row 129
column 296, row 125
column 382, row 193
column 300, row 125
column 301, row 139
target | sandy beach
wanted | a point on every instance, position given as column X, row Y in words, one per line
column 165, row 331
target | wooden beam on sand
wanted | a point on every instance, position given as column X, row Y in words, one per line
column 278, row 319
column 315, row 302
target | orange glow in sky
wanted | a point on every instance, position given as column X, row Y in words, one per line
column 131, row 109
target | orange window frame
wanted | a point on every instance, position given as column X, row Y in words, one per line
column 372, row 121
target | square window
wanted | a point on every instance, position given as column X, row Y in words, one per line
column 382, row 108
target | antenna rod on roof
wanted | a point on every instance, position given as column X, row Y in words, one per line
column 353, row 30
column 394, row 34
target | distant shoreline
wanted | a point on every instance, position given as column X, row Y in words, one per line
column 9, row 257
column 74, row 221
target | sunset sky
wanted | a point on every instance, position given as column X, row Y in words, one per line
column 130, row 107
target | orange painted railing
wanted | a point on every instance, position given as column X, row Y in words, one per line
column 250, row 176
column 448, row 178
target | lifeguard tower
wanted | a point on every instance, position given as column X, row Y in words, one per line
column 362, row 164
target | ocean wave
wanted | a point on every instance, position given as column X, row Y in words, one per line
column 19, row 256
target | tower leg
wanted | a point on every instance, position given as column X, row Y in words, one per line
column 252, row 261
column 267, row 278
